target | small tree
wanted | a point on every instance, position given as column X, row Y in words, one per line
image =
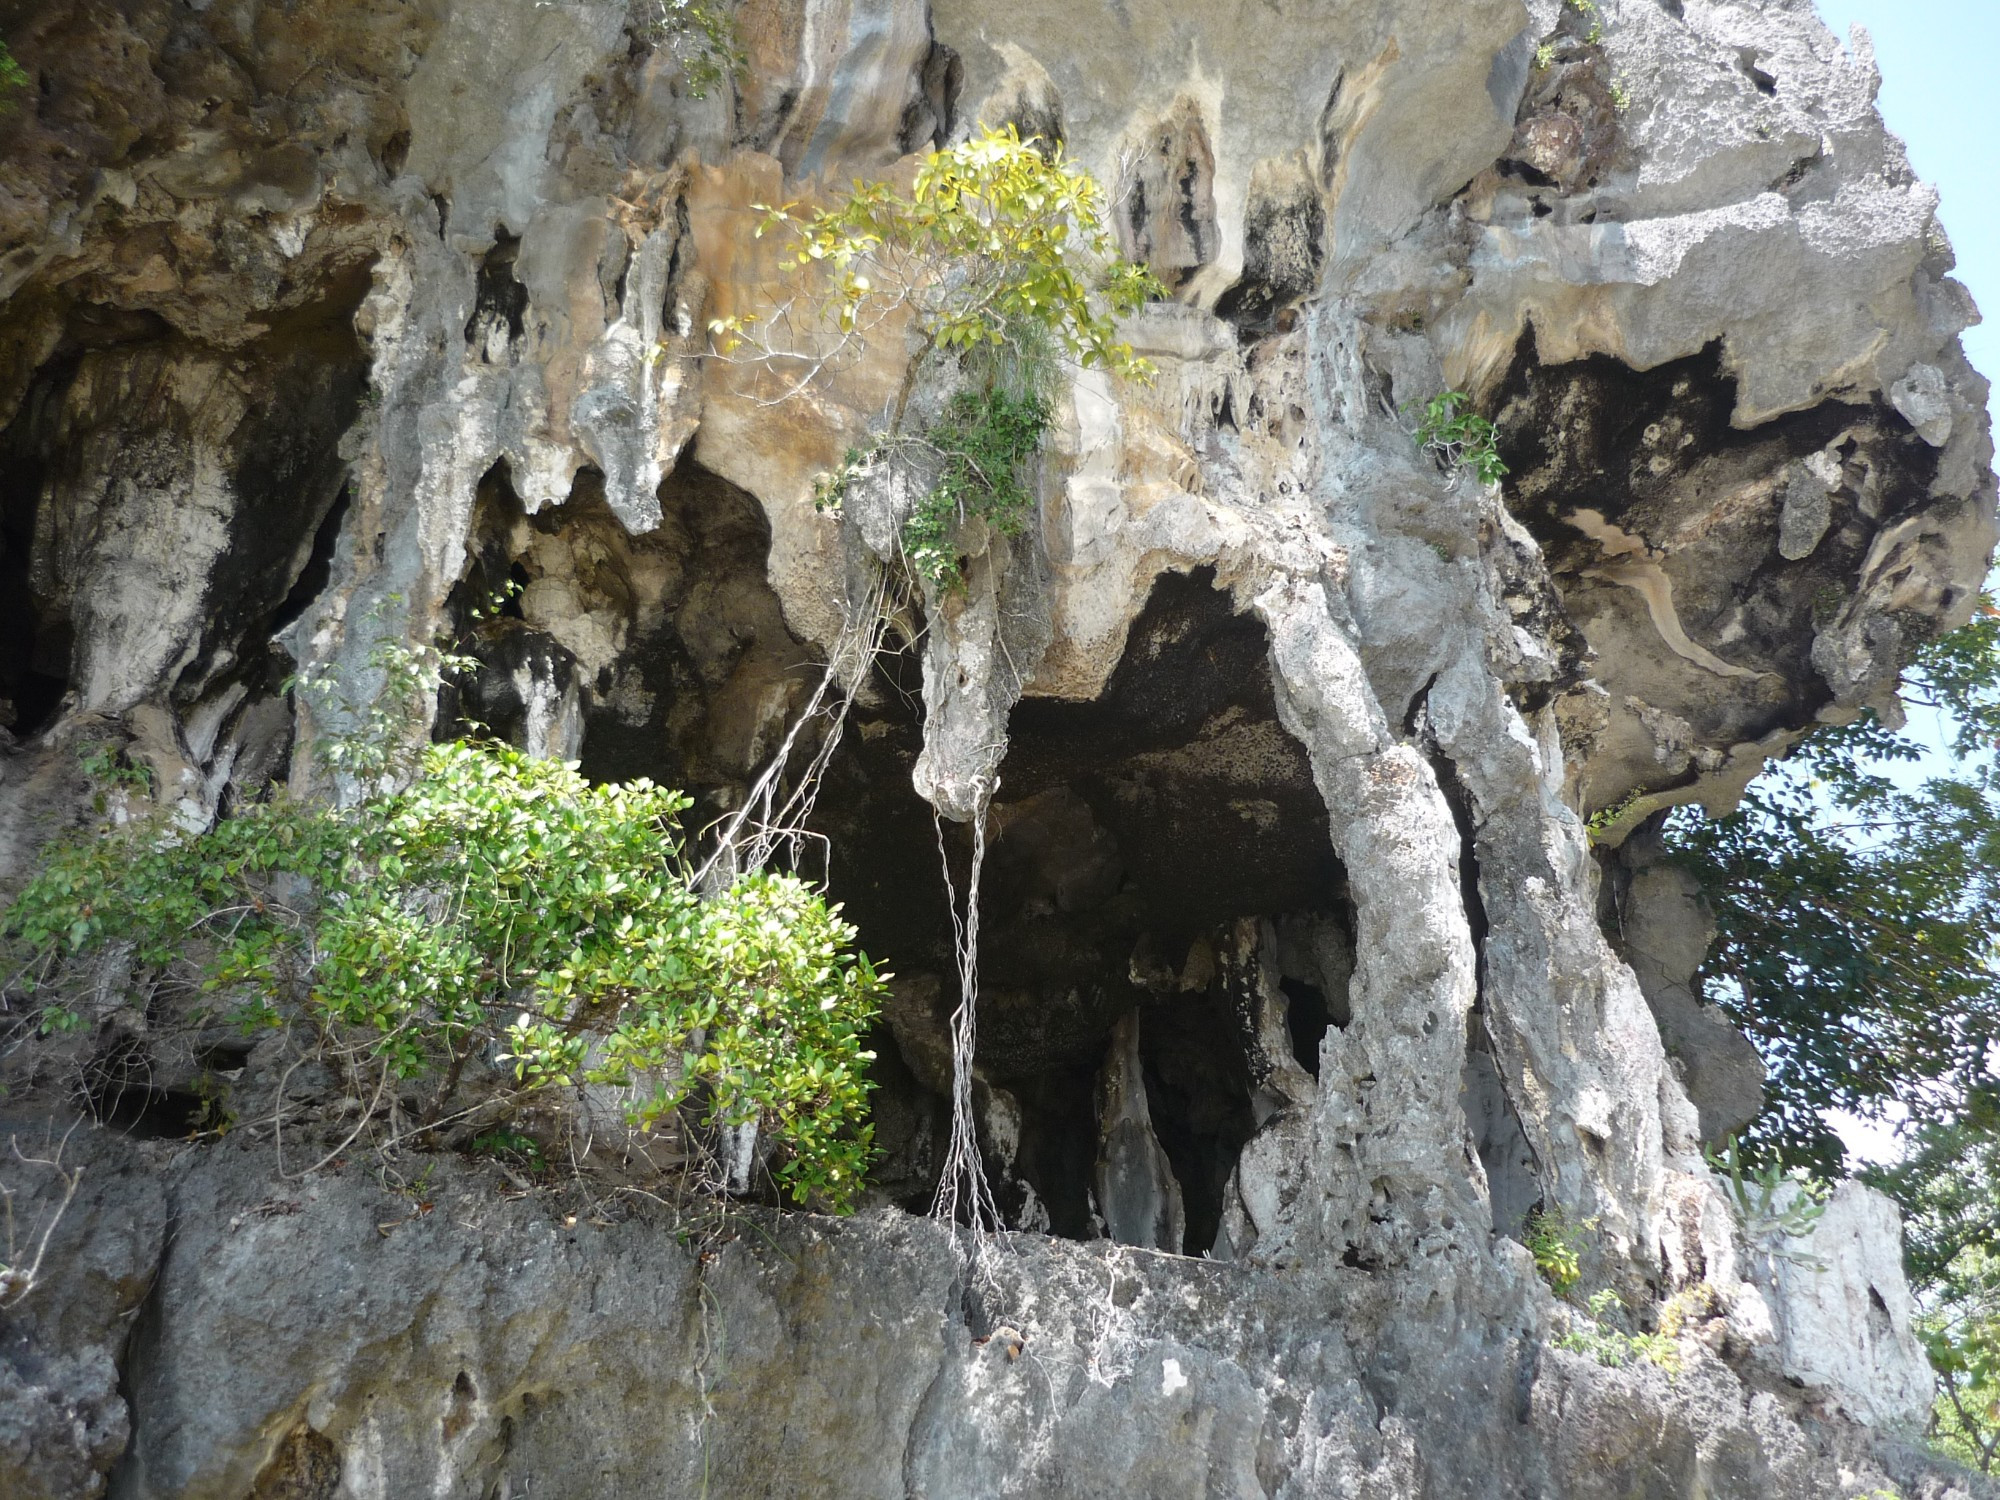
column 1000, row 259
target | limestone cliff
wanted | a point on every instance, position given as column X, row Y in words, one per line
column 322, row 321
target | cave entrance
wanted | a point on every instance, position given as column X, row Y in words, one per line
column 103, row 463
column 1167, row 935
column 1165, row 941
column 663, row 655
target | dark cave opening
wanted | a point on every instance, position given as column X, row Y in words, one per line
column 122, row 1093
column 663, row 655
column 1159, row 869
column 66, row 506
column 34, row 670
column 1159, row 852
column 1307, row 1017
column 318, row 570
column 500, row 300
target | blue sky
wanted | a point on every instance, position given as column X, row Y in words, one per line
column 1938, row 60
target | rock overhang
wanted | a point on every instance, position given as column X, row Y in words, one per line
column 1359, row 207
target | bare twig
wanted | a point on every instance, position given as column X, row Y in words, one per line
column 18, row 1280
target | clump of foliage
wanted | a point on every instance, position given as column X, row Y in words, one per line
column 1688, row 1306
column 496, row 902
column 701, row 35
column 982, row 441
column 996, row 236
column 1605, row 819
column 1856, row 912
column 1001, row 259
column 1449, row 428
column 1556, row 1243
column 1771, row 1203
column 1595, row 1333
column 12, row 76
column 1961, row 1333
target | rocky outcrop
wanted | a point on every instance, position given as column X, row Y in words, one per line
column 337, row 1337
column 1303, row 760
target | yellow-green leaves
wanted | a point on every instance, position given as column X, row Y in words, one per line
column 994, row 233
column 1556, row 1243
column 1000, row 257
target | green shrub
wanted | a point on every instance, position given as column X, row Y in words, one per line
column 1595, row 1334
column 1770, row 1202
column 1459, row 436
column 12, row 76
column 1557, row 1246
column 983, row 439
column 497, row 900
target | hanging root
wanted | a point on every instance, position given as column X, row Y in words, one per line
column 963, row 1188
column 772, row 819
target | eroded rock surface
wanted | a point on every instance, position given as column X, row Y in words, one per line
column 327, row 325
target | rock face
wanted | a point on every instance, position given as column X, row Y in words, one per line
column 1303, row 759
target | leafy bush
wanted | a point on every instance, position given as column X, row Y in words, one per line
column 1459, row 436
column 1556, row 1243
column 498, row 900
column 1961, row 1333
column 1771, row 1203
column 1001, row 256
